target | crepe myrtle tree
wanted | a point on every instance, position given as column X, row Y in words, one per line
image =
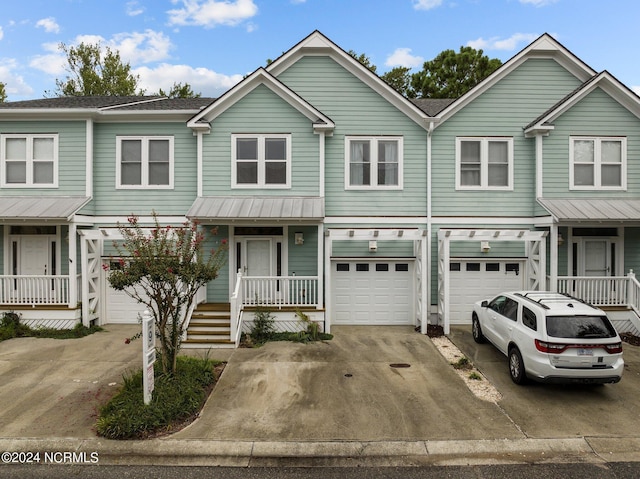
column 163, row 267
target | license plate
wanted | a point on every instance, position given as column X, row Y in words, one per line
column 585, row 352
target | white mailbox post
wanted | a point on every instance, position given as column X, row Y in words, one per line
column 148, row 354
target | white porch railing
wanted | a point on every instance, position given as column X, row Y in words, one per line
column 603, row 290
column 236, row 311
column 280, row 291
column 34, row 290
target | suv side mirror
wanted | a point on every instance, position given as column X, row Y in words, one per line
column 484, row 304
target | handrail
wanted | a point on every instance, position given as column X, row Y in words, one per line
column 281, row 291
column 200, row 297
column 597, row 290
column 634, row 293
column 236, row 311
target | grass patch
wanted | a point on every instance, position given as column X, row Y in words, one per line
column 462, row 363
column 475, row 376
column 11, row 327
column 176, row 400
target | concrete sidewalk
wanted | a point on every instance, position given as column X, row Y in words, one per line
column 371, row 396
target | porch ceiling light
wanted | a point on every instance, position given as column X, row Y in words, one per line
column 485, row 247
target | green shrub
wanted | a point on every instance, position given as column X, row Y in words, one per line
column 262, row 328
column 175, row 399
column 11, row 327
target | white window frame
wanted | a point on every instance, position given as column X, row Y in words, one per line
column 597, row 163
column 484, row 162
column 261, row 179
column 373, row 151
column 29, row 138
column 144, row 180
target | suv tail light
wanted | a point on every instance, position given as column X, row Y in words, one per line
column 547, row 347
column 556, row 348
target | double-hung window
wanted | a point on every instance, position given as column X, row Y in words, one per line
column 484, row 163
column 29, row 160
column 261, row 161
column 373, row 162
column 598, row 163
column 144, row 162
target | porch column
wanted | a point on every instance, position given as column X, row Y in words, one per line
column 320, row 296
column 553, row 256
column 73, row 267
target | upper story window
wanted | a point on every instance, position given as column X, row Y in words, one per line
column 144, row 162
column 373, row 162
column 484, row 163
column 598, row 163
column 261, row 161
column 29, row 160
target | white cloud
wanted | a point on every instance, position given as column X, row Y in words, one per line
column 538, row 3
column 136, row 48
column 508, row 44
column 426, row 4
column 133, row 8
column 49, row 25
column 402, row 57
column 209, row 13
column 52, row 63
column 14, row 83
column 202, row 80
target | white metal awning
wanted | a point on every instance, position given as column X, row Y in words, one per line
column 257, row 208
column 43, row 208
column 589, row 209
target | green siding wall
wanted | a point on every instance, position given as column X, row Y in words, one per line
column 503, row 110
column 631, row 251
column 111, row 201
column 303, row 259
column 358, row 110
column 261, row 111
column 598, row 115
column 71, row 156
column 218, row 289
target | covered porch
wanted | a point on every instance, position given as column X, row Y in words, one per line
column 40, row 278
column 275, row 257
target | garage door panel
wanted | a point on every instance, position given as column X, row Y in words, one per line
column 373, row 292
column 475, row 283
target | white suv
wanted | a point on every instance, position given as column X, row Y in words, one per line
column 550, row 337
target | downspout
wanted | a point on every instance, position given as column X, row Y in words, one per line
column 199, row 162
column 426, row 267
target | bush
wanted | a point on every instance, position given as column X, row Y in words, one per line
column 11, row 327
column 176, row 398
column 262, row 329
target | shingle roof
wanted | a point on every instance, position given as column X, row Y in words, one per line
column 432, row 106
column 141, row 103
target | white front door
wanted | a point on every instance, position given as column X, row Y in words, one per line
column 596, row 257
column 257, row 257
column 34, row 255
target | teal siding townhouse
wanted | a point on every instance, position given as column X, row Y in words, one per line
column 337, row 196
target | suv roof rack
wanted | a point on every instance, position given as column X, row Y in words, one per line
column 558, row 297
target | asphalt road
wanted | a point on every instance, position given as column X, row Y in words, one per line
column 621, row 470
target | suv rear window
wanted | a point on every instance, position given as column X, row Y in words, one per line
column 580, row 327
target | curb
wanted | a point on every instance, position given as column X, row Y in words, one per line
column 322, row 453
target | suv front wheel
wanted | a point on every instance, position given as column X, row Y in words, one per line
column 516, row 366
column 476, row 330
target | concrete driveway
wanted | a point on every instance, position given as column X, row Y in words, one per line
column 52, row 387
column 346, row 389
column 552, row 411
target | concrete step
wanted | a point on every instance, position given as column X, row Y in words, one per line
column 210, row 327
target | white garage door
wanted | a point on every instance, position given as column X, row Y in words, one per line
column 120, row 307
column 372, row 292
column 472, row 280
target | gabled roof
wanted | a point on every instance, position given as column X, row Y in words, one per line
column 260, row 77
column 543, row 47
column 604, row 80
column 316, row 43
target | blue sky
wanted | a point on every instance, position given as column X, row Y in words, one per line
column 211, row 44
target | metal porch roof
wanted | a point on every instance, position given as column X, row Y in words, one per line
column 589, row 209
column 257, row 208
column 40, row 207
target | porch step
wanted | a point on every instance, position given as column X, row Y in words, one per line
column 210, row 327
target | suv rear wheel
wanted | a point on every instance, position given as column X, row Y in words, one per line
column 476, row 330
column 516, row 366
